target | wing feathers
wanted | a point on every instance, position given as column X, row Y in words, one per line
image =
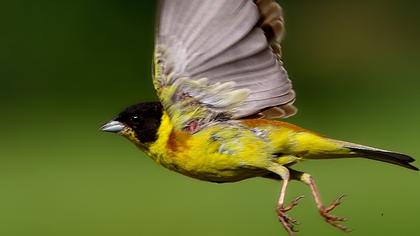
column 240, row 24
column 234, row 45
column 271, row 19
column 235, row 70
column 253, row 43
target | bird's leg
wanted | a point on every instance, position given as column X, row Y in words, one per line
column 288, row 222
column 324, row 211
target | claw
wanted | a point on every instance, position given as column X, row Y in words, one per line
column 335, row 204
column 288, row 222
column 294, row 203
column 331, row 219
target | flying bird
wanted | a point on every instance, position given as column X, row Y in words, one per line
column 218, row 73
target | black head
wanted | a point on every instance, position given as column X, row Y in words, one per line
column 139, row 122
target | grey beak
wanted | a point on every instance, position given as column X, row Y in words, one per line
column 113, row 126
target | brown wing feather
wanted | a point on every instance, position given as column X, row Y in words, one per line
column 272, row 23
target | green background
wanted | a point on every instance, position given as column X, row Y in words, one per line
column 66, row 67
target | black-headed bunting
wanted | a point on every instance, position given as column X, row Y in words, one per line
column 221, row 82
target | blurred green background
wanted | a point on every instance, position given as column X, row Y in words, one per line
column 69, row 66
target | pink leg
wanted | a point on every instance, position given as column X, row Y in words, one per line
column 325, row 211
column 288, row 222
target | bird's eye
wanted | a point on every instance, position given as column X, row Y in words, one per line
column 135, row 118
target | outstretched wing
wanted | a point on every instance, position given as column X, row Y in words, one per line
column 220, row 59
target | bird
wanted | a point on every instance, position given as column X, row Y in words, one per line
column 223, row 90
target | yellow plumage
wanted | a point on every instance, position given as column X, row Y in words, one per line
column 232, row 151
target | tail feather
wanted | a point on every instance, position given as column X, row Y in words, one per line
column 381, row 155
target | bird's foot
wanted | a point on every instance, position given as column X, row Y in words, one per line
column 288, row 222
column 331, row 219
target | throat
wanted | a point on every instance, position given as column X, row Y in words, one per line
column 160, row 145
